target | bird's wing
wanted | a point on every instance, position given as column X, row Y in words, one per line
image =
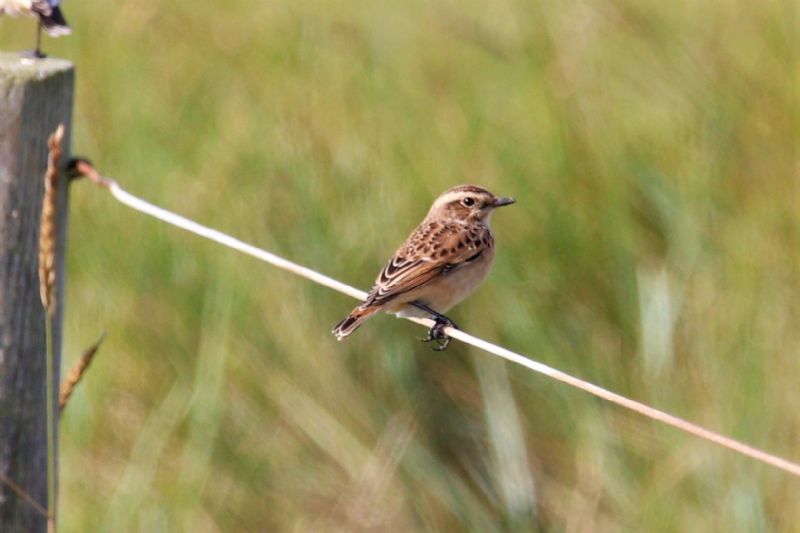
column 433, row 249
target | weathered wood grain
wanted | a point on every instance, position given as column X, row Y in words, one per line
column 35, row 96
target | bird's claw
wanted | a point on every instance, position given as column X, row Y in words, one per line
column 33, row 54
column 436, row 333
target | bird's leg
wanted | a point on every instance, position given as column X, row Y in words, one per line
column 38, row 52
column 436, row 333
column 439, row 317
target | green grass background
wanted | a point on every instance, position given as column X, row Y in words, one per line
column 653, row 150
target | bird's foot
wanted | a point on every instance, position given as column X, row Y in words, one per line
column 436, row 333
column 33, row 54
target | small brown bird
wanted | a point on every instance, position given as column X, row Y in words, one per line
column 441, row 263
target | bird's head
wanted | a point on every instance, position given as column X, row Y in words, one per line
column 467, row 203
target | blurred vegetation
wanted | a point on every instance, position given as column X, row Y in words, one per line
column 653, row 150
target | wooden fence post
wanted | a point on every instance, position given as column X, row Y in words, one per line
column 35, row 97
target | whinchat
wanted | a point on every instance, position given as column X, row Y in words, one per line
column 442, row 262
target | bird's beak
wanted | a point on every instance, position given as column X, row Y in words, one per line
column 500, row 202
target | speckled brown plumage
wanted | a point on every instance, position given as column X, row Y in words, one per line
column 443, row 260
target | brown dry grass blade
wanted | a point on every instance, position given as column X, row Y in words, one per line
column 76, row 373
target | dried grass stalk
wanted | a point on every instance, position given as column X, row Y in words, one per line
column 22, row 493
column 47, row 228
column 76, row 373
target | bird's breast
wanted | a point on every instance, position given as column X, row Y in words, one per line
column 452, row 287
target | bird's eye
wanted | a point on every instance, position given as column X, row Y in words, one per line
column 469, row 201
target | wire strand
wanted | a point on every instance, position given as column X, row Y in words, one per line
column 169, row 217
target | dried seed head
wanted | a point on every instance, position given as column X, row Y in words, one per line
column 76, row 373
column 47, row 228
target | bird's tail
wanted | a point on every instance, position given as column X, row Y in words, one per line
column 55, row 24
column 353, row 320
column 53, row 21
